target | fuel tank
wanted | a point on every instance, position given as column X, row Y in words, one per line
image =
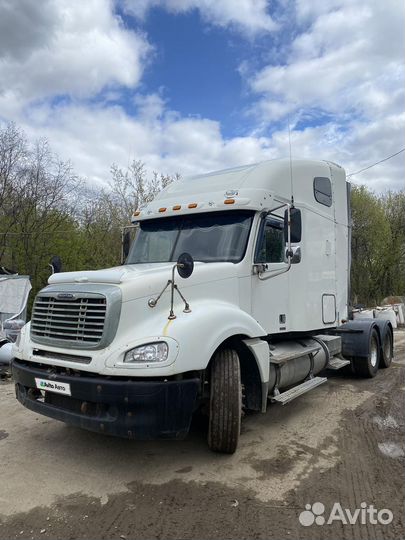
column 291, row 362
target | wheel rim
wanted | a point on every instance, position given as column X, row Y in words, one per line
column 374, row 352
column 387, row 347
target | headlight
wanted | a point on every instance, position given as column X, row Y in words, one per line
column 152, row 352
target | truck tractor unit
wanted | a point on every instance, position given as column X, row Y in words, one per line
column 233, row 295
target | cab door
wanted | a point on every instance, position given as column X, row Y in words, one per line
column 270, row 290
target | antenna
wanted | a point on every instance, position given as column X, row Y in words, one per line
column 291, row 173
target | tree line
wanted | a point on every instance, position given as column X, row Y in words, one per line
column 378, row 245
column 46, row 209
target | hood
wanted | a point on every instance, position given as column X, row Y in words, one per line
column 116, row 275
column 140, row 280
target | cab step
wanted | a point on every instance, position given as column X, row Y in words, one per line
column 296, row 391
column 337, row 363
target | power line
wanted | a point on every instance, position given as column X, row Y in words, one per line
column 377, row 163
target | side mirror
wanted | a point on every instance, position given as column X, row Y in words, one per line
column 295, row 225
column 126, row 244
column 185, row 265
column 56, row 264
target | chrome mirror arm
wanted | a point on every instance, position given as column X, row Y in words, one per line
column 152, row 302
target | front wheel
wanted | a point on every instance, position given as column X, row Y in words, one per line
column 225, row 402
column 367, row 366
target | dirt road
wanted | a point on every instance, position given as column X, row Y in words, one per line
column 341, row 443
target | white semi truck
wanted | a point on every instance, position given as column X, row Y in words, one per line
column 233, row 295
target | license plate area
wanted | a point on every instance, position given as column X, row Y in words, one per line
column 56, row 387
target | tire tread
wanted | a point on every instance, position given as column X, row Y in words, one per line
column 362, row 364
column 225, row 402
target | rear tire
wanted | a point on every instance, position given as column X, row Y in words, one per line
column 367, row 366
column 387, row 349
column 225, row 402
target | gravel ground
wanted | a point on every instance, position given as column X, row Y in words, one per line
column 340, row 443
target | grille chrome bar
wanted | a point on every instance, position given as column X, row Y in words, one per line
column 56, row 313
column 62, row 328
column 40, row 301
column 68, row 316
column 69, row 324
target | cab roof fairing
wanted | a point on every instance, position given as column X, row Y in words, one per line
column 252, row 187
column 246, row 199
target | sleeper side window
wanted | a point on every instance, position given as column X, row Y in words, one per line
column 323, row 190
column 271, row 244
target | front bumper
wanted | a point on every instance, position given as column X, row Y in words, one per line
column 148, row 409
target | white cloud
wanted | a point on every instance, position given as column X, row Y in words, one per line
column 345, row 63
column 94, row 137
column 345, row 67
column 350, row 59
column 81, row 49
column 57, row 47
column 248, row 16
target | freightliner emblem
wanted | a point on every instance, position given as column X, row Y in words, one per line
column 66, row 296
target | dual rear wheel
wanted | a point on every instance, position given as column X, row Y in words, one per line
column 387, row 349
column 378, row 356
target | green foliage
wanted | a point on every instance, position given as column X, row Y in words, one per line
column 378, row 245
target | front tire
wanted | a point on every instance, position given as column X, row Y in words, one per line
column 367, row 366
column 387, row 350
column 225, row 402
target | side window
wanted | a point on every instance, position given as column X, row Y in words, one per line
column 323, row 190
column 271, row 245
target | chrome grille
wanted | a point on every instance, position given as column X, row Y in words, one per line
column 80, row 320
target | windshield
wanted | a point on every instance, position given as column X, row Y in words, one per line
column 210, row 237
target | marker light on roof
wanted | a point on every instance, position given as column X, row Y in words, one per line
column 177, row 207
column 229, row 201
column 192, row 205
column 137, row 213
column 162, row 209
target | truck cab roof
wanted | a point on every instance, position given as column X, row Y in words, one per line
column 253, row 186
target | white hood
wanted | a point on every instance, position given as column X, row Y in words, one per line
column 116, row 275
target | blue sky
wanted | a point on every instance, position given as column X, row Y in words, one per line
column 191, row 86
column 196, row 68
